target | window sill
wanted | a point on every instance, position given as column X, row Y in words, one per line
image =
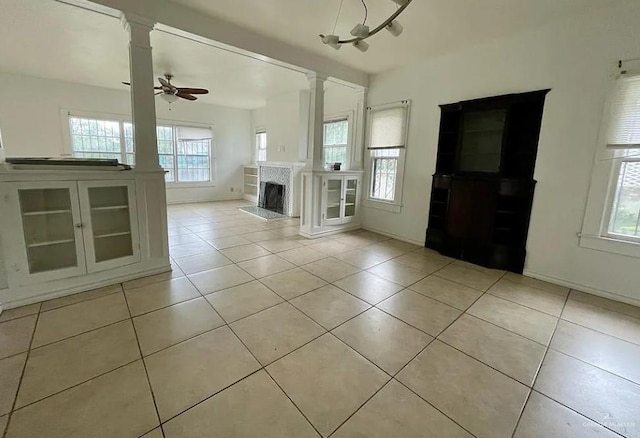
column 195, row 185
column 608, row 244
column 383, row 205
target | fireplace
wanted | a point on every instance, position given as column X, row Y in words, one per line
column 272, row 196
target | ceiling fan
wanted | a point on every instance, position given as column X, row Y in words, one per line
column 171, row 93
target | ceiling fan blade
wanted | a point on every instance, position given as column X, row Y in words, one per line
column 158, row 88
column 159, row 92
column 193, row 90
column 186, row 96
column 164, row 82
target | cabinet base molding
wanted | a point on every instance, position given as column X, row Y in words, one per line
column 61, row 291
column 325, row 232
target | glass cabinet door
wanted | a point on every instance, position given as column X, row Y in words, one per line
column 49, row 230
column 350, row 197
column 334, row 198
column 109, row 232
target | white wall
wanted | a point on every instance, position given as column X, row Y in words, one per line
column 32, row 125
column 285, row 119
column 574, row 59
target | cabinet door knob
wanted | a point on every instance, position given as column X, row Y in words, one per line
column 80, row 225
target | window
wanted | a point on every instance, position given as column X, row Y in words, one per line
column 261, row 145
column 623, row 137
column 92, row 138
column 184, row 152
column 336, row 137
column 386, row 146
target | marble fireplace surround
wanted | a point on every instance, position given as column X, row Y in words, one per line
column 287, row 174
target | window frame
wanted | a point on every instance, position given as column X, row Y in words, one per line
column 66, row 114
column 348, row 117
column 611, row 199
column 257, row 146
column 394, row 206
column 595, row 233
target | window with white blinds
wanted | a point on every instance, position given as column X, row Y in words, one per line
column 623, row 134
column 388, row 128
column 386, row 144
column 624, row 119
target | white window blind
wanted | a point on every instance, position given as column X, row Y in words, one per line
column 388, row 128
column 624, row 121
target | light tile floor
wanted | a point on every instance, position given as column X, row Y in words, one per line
column 259, row 332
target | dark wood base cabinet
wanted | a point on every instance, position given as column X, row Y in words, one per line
column 482, row 191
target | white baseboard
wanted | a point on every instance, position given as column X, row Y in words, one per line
column 582, row 287
column 393, row 236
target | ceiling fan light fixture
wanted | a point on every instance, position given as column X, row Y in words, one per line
column 360, row 31
column 394, row 28
column 361, row 45
column 168, row 97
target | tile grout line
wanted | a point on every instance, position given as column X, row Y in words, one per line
column 24, row 369
column 537, row 373
column 264, row 367
column 393, row 376
column 144, row 365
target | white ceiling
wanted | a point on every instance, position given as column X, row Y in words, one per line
column 431, row 27
column 49, row 39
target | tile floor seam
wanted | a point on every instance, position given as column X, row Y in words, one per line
column 332, row 328
column 269, row 374
column 595, row 366
column 506, row 329
column 520, row 304
column 435, row 407
column 78, row 334
column 79, row 302
column 144, row 365
column 595, row 330
column 575, row 411
column 24, row 369
column 361, row 406
column 408, row 323
column 484, row 363
column 537, row 373
column 602, row 307
column 434, row 337
column 76, row 384
column 441, row 331
column 22, row 316
column 361, row 299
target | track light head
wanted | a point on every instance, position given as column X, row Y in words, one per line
column 361, row 45
column 360, row 31
column 331, row 40
column 394, row 28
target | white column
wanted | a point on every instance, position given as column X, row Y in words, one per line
column 316, row 118
column 143, row 106
column 357, row 155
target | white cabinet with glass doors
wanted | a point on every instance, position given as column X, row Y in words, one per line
column 340, row 199
column 69, row 228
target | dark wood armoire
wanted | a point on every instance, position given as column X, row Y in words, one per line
column 483, row 186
